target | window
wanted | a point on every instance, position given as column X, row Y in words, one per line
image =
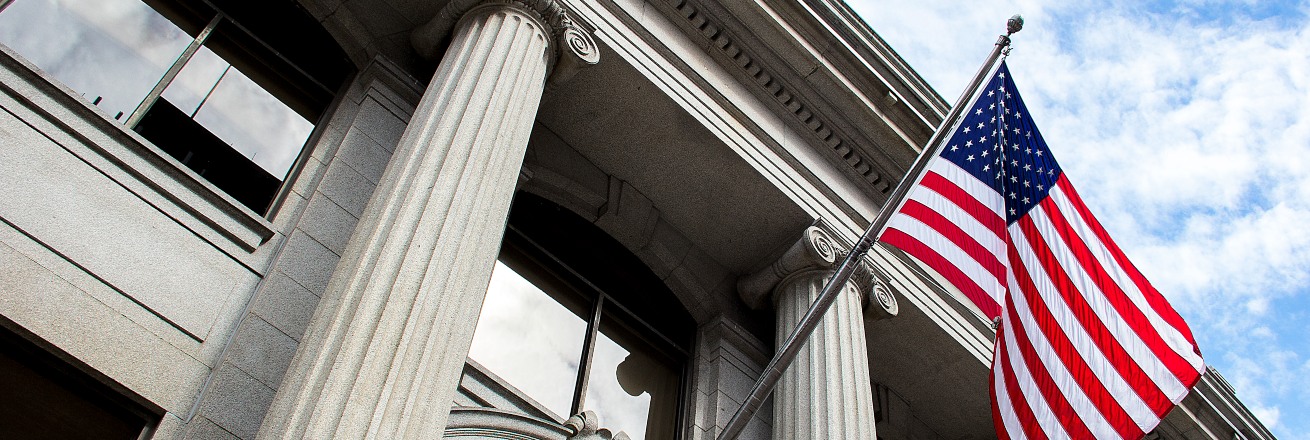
column 45, row 397
column 229, row 88
column 575, row 322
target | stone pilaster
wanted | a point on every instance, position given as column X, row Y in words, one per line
column 826, row 393
column 386, row 347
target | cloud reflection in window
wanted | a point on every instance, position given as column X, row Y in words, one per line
column 115, row 50
column 529, row 340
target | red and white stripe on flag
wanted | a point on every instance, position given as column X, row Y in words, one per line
column 1087, row 347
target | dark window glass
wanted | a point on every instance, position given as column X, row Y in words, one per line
column 232, row 89
column 244, row 115
column 632, row 382
column 42, row 397
column 553, row 294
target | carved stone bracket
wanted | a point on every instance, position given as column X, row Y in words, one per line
column 572, row 46
column 585, row 426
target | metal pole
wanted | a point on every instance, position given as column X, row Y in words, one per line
column 787, row 353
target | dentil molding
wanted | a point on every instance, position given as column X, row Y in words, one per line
column 750, row 64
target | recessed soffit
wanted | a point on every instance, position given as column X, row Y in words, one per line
column 629, row 128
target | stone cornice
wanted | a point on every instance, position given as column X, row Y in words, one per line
column 879, row 173
column 871, row 50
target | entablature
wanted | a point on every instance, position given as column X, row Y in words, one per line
column 860, row 104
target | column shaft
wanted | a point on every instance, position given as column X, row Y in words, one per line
column 826, row 393
column 386, row 347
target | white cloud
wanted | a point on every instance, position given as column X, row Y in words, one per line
column 1186, row 127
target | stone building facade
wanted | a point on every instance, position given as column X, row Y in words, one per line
column 239, row 220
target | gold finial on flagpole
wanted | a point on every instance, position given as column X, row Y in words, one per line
column 1013, row 25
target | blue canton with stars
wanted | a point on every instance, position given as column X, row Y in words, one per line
column 997, row 143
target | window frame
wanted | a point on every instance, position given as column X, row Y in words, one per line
column 190, row 17
column 519, row 252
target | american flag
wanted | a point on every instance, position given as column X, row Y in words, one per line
column 1087, row 347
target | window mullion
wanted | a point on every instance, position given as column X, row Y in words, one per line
column 588, row 349
column 168, row 77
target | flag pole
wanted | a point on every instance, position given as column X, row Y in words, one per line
column 792, row 346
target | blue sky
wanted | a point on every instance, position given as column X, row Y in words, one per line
column 1186, row 126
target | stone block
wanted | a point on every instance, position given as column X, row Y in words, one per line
column 285, row 304
column 289, row 213
column 666, row 249
column 628, row 215
column 378, row 17
column 699, row 433
column 380, row 123
column 919, row 430
column 758, row 427
column 723, row 407
column 329, row 141
column 420, row 11
column 262, row 351
column 204, row 429
column 307, row 262
column 328, row 223
column 308, row 178
column 704, row 410
column 364, row 154
column 236, row 402
column 170, row 426
column 104, row 224
column 547, row 152
column 346, row 187
column 88, row 329
column 731, row 380
column 708, row 273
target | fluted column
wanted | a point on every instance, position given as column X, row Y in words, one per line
column 826, row 393
column 384, row 352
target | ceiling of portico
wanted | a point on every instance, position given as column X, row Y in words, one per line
column 626, row 126
column 621, row 122
column 369, row 28
column 944, row 385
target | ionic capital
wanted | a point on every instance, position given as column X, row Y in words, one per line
column 585, row 426
column 571, row 45
column 816, row 250
column 881, row 303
